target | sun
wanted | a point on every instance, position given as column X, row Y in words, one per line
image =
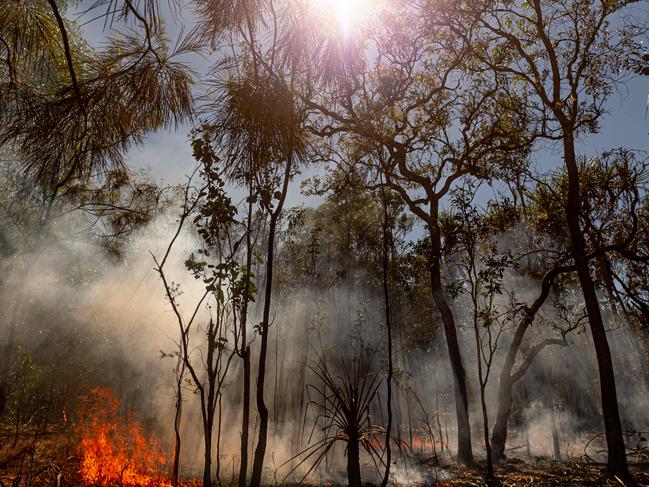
column 345, row 17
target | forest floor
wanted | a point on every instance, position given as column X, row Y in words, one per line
column 542, row 472
column 52, row 461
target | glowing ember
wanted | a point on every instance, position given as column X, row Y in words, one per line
column 113, row 448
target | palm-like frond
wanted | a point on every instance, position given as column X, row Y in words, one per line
column 30, row 41
column 255, row 122
column 309, row 45
column 343, row 399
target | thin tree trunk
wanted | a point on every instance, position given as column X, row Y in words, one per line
column 245, row 414
column 482, row 377
column 175, row 469
column 439, row 423
column 245, row 419
column 499, row 434
column 388, row 323
column 207, row 466
column 260, row 451
column 617, row 462
column 218, row 441
column 262, row 409
column 555, row 432
column 464, row 450
column 507, row 377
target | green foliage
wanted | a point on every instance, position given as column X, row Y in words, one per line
column 67, row 129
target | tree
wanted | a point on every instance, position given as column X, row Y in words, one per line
column 433, row 125
column 68, row 113
column 257, row 129
column 568, row 56
column 216, row 264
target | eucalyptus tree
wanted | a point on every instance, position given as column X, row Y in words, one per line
column 568, row 56
column 433, row 126
column 216, row 313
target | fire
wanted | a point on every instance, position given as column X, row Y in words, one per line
column 114, row 450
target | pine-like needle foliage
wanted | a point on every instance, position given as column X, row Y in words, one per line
column 256, row 121
column 65, row 131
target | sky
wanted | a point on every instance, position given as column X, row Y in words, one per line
column 166, row 155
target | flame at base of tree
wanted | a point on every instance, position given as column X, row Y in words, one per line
column 114, row 449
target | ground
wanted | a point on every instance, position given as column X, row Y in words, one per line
column 544, row 472
column 55, row 463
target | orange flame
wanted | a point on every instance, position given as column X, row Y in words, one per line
column 114, row 449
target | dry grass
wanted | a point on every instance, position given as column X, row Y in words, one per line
column 55, row 463
column 49, row 461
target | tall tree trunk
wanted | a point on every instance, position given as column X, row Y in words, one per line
column 245, row 413
column 507, row 377
column 207, row 465
column 388, row 323
column 262, row 409
column 464, row 449
column 483, row 400
column 617, row 462
column 499, row 434
column 175, row 469
column 353, row 463
column 245, row 419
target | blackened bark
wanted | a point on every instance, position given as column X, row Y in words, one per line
column 177, row 418
column 499, row 433
column 245, row 419
column 245, row 414
column 353, row 463
column 262, row 409
column 388, row 323
column 464, row 450
column 207, row 466
column 617, row 462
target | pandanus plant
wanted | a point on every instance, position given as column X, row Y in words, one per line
column 342, row 401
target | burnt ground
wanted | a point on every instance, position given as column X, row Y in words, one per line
column 52, row 461
column 544, row 472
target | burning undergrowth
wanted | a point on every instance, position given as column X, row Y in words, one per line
column 114, row 449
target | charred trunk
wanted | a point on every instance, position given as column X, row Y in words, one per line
column 617, row 462
column 499, row 433
column 245, row 419
column 387, row 238
column 353, row 462
column 207, row 465
column 177, row 418
column 464, row 451
column 262, row 409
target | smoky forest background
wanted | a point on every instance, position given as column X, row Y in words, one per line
column 398, row 254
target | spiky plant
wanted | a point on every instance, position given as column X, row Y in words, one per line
column 342, row 400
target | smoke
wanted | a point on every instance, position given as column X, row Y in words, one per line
column 96, row 320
